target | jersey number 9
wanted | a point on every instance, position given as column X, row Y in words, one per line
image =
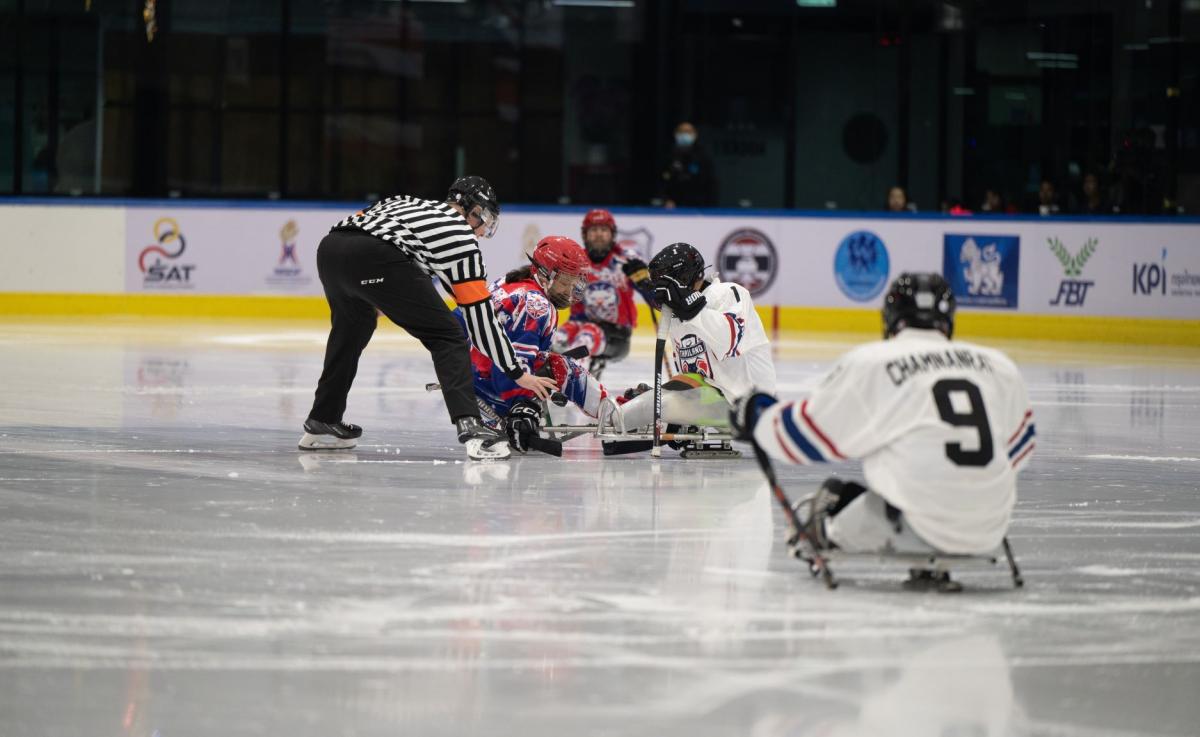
column 976, row 418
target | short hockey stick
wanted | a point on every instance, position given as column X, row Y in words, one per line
column 660, row 349
column 816, row 560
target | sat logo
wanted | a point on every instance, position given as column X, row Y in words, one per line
column 164, row 270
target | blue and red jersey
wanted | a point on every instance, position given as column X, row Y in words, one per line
column 608, row 296
column 529, row 320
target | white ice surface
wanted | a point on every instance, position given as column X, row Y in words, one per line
column 173, row 566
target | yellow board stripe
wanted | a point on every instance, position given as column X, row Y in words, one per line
column 163, row 305
column 1090, row 329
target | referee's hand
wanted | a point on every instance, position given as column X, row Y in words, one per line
column 541, row 386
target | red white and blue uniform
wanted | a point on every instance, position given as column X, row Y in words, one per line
column 529, row 319
column 608, row 302
column 942, row 428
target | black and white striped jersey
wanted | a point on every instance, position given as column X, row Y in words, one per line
column 441, row 243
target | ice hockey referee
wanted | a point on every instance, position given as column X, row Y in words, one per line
column 382, row 258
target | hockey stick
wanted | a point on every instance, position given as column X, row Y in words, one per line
column 559, row 399
column 1017, row 578
column 549, row 446
column 660, row 349
column 816, row 560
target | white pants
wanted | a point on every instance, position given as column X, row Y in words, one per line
column 863, row 527
column 701, row 405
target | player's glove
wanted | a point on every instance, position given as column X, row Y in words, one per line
column 744, row 415
column 522, row 424
column 636, row 270
column 639, row 276
column 685, row 305
column 633, row 392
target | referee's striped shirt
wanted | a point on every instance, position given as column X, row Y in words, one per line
column 441, row 243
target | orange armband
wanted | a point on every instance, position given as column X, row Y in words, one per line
column 470, row 292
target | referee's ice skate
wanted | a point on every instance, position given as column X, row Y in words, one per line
column 482, row 442
column 329, row 435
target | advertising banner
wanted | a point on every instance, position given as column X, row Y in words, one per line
column 205, row 250
column 1024, row 266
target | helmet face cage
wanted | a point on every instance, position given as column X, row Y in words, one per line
column 562, row 268
column 478, row 199
column 680, row 263
column 599, row 219
column 919, row 301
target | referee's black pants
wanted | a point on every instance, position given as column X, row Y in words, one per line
column 360, row 273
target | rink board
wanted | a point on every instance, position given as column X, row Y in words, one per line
column 778, row 320
column 1063, row 279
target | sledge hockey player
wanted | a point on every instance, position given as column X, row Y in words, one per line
column 721, row 351
column 526, row 302
column 603, row 320
column 942, row 428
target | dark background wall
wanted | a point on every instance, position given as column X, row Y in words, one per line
column 807, row 107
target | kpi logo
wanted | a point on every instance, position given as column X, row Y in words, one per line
column 160, row 272
column 1150, row 278
column 748, row 257
column 1072, row 291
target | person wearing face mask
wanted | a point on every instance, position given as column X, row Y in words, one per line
column 688, row 180
column 381, row 259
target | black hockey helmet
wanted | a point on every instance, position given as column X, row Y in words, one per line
column 471, row 192
column 918, row 301
column 679, row 262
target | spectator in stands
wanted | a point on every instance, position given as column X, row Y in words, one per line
column 688, row 180
column 1094, row 201
column 993, row 202
column 1047, row 199
column 897, row 200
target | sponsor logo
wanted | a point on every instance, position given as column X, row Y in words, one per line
column 372, row 281
column 288, row 272
column 1150, row 278
column 747, row 257
column 861, row 266
column 982, row 270
column 640, row 240
column 165, row 271
column 1072, row 291
column 693, row 356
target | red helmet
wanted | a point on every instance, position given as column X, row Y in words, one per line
column 558, row 254
column 599, row 217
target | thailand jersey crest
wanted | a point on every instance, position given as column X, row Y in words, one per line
column 609, row 294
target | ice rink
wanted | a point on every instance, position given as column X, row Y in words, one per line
column 173, row 566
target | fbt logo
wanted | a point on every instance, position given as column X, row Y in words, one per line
column 1151, row 278
column 165, row 273
column 1072, row 291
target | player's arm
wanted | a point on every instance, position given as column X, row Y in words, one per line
column 1021, row 431
column 533, row 333
column 832, row 424
column 470, row 291
column 638, row 274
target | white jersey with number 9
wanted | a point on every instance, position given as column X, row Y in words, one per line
column 942, row 428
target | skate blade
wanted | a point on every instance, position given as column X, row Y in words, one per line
column 477, row 451
column 702, row 454
column 325, row 442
